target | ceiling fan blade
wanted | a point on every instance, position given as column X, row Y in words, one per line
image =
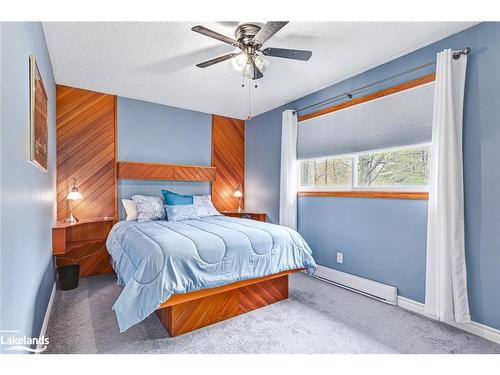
column 268, row 30
column 257, row 74
column 217, row 60
column 294, row 54
column 215, row 35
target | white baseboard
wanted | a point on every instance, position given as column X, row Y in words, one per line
column 45, row 324
column 478, row 329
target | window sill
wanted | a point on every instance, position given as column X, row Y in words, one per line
column 421, row 195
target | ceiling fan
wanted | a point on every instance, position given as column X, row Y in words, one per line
column 249, row 38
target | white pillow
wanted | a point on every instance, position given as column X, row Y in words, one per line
column 130, row 209
column 204, row 205
column 181, row 212
column 149, row 208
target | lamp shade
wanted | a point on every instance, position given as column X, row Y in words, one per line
column 74, row 196
column 237, row 193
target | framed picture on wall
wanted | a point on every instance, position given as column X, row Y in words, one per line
column 38, row 118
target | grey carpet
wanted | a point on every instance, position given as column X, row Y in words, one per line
column 317, row 318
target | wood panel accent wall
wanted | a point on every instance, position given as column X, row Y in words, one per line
column 161, row 171
column 228, row 157
column 86, row 149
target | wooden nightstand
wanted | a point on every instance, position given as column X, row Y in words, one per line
column 83, row 243
column 259, row 216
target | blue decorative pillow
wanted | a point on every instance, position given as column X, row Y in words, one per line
column 174, row 199
column 181, row 212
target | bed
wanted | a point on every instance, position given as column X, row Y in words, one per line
column 195, row 273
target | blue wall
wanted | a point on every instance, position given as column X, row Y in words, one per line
column 322, row 221
column 158, row 133
column 381, row 239
column 27, row 193
column 262, row 163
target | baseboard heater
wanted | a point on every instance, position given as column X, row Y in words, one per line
column 369, row 288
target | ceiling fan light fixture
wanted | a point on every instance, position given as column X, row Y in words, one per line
column 239, row 62
column 248, row 58
column 262, row 63
column 248, row 71
column 242, row 64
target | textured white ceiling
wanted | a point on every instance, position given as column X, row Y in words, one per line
column 156, row 61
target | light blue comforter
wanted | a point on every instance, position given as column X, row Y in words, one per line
column 156, row 259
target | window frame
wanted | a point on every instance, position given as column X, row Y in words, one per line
column 354, row 176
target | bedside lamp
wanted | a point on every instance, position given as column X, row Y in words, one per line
column 238, row 194
column 74, row 195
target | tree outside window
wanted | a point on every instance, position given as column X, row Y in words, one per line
column 404, row 167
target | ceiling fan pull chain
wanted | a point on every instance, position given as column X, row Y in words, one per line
column 249, row 100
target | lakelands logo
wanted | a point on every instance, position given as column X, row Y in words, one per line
column 10, row 340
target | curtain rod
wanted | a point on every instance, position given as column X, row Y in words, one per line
column 349, row 94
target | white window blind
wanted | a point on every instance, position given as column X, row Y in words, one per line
column 400, row 119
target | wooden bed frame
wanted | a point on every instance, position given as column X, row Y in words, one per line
column 187, row 312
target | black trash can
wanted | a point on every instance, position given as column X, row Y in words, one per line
column 69, row 276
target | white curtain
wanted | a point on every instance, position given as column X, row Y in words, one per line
column 288, row 178
column 446, row 277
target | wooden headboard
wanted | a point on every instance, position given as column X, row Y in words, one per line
column 130, row 170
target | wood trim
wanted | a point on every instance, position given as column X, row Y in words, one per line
column 379, row 94
column 422, row 195
column 160, row 171
column 186, row 297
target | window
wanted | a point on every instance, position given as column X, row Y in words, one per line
column 326, row 172
column 404, row 168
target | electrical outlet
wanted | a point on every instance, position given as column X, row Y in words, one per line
column 340, row 258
